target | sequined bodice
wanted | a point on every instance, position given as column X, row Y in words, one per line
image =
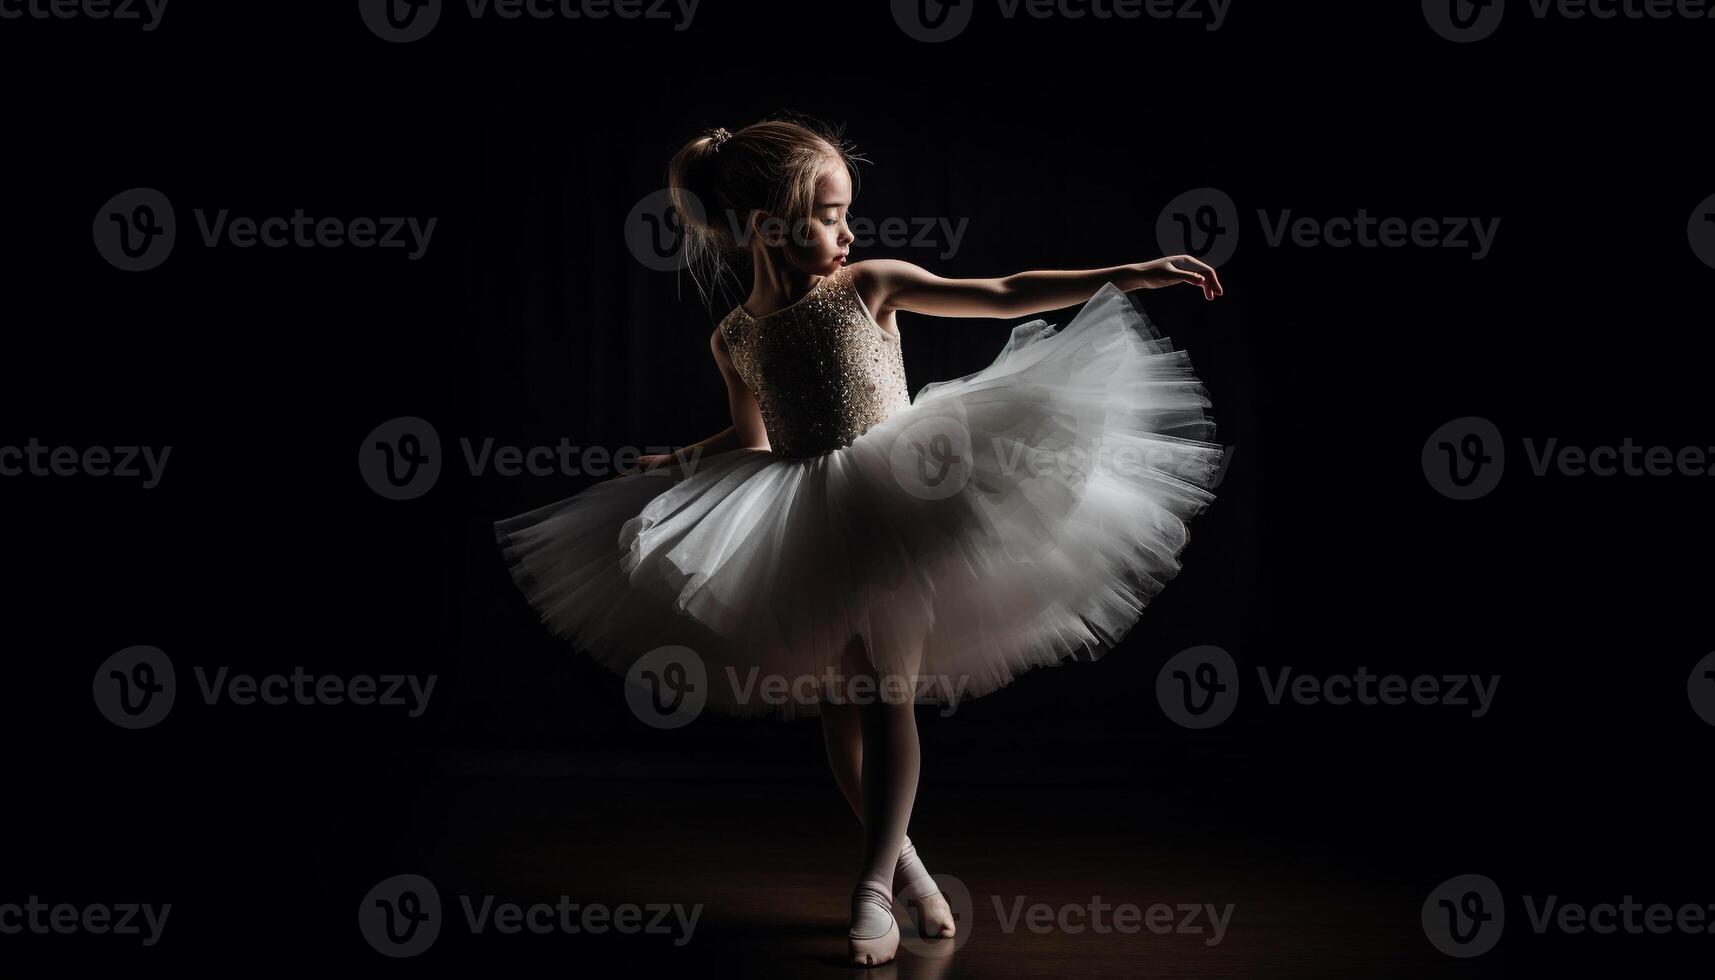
column 821, row 369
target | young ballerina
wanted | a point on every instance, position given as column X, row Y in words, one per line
column 874, row 550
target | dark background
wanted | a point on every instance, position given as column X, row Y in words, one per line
column 528, row 320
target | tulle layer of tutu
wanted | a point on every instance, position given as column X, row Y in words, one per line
column 1010, row 519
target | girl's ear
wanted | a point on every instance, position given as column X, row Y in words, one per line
column 767, row 229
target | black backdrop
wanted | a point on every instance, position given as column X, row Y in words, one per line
column 528, row 320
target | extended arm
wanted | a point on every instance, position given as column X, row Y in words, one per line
column 890, row 284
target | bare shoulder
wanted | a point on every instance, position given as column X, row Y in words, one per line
column 884, row 271
column 879, row 280
column 718, row 347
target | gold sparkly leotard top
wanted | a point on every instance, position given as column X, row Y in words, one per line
column 822, row 370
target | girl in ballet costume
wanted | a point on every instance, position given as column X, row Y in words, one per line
column 872, row 549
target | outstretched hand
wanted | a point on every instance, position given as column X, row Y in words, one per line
column 1171, row 270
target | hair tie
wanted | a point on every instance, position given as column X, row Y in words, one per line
column 720, row 136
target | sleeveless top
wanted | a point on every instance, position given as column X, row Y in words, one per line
column 822, row 370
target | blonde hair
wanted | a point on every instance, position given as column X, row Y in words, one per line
column 718, row 179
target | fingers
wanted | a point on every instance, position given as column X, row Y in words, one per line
column 1212, row 286
column 1186, row 275
column 1193, row 277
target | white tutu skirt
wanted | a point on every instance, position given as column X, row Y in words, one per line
column 1009, row 519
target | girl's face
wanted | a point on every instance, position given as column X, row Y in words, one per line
column 822, row 245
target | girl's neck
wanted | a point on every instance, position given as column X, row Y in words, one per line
column 776, row 284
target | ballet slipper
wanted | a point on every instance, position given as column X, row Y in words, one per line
column 874, row 936
column 923, row 899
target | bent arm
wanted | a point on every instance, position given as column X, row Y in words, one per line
column 745, row 432
column 891, row 284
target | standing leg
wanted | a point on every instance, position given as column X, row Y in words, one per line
column 891, row 761
column 890, row 765
column 842, row 734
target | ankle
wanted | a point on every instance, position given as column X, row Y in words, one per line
column 911, row 876
column 872, row 908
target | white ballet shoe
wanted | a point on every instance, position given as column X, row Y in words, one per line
column 874, row 936
column 928, row 908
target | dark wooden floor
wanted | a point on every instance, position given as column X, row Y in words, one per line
column 768, row 850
